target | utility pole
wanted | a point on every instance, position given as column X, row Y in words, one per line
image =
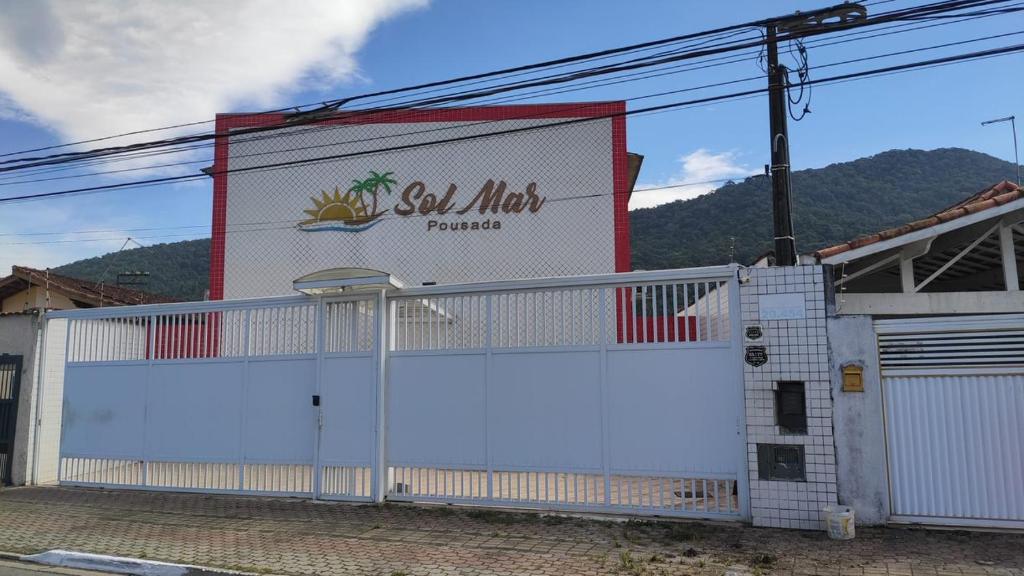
column 782, row 209
column 778, row 109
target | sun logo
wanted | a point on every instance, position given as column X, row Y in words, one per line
column 350, row 211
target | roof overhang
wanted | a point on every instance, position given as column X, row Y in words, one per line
column 926, row 233
column 340, row 280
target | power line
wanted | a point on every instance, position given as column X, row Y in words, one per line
column 856, row 35
column 510, row 72
column 127, row 156
column 278, row 165
column 923, row 11
column 247, row 226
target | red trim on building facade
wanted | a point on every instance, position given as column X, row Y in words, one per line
column 620, row 176
column 620, row 161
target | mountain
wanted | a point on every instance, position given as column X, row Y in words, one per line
column 179, row 269
column 830, row 205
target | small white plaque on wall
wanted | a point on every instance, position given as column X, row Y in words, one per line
column 782, row 306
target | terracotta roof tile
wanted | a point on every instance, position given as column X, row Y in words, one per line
column 997, row 195
column 85, row 291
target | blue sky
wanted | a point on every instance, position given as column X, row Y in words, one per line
column 78, row 74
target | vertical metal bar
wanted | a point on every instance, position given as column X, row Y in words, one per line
column 622, row 293
column 488, row 351
column 686, row 311
column 675, row 311
column 696, row 309
column 573, row 295
column 322, row 310
column 87, row 341
column 561, row 316
column 644, row 316
column 461, row 324
column 664, row 312
column 406, row 336
column 718, row 323
column 381, row 334
column 422, row 324
column 532, row 318
column 94, row 340
column 114, row 347
column 707, row 309
column 632, row 313
column 193, row 344
column 444, row 320
column 603, row 371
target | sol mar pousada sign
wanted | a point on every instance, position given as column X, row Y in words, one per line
column 361, row 206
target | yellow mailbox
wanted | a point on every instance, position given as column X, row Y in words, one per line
column 853, row 378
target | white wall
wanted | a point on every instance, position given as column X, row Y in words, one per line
column 51, row 398
column 857, row 417
column 797, row 351
column 567, row 235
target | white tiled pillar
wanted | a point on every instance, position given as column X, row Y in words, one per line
column 797, row 351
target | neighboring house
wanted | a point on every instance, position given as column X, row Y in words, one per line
column 24, row 296
column 932, row 314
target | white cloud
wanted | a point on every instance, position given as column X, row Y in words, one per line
column 697, row 167
column 89, row 68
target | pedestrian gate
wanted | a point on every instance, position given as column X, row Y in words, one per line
column 10, row 380
column 613, row 393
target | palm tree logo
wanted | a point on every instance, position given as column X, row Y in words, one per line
column 351, row 211
column 372, row 186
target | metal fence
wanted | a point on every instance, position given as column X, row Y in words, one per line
column 618, row 392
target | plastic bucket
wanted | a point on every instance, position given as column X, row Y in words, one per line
column 839, row 521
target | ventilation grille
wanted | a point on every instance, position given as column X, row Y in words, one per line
column 955, row 349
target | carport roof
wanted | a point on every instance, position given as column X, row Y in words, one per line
column 998, row 195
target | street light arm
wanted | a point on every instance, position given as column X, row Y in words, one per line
column 1006, row 119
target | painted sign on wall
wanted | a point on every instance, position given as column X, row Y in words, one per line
column 550, row 200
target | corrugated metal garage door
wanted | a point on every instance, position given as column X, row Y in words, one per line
column 954, row 402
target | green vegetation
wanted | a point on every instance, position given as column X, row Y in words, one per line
column 830, row 205
column 180, row 270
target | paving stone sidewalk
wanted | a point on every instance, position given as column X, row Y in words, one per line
column 288, row 536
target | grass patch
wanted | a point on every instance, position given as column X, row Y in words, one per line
column 628, row 564
column 644, row 531
column 499, row 517
column 763, row 560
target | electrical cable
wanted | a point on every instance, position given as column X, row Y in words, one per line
column 549, row 91
column 665, row 93
column 572, row 121
column 917, row 12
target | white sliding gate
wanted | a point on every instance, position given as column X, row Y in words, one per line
column 615, row 392
column 954, row 412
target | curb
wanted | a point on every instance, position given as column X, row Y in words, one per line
column 119, row 564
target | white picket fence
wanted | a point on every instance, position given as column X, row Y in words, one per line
column 619, row 392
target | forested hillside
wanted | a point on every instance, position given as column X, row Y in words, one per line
column 179, row 269
column 830, row 204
